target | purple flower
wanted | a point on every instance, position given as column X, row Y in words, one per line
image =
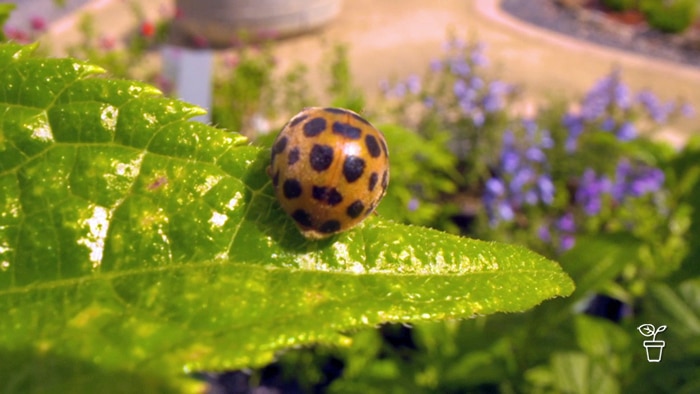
column 384, row 87
column 574, row 124
column 596, row 101
column 530, row 129
column 567, row 242
column 687, row 110
column 466, row 106
column 413, row 204
column 436, row 65
column 627, row 132
column 495, row 187
column 497, row 207
column 543, row 233
column 619, row 187
column 635, row 181
column 535, row 154
column 460, row 88
column 622, row 95
column 478, row 57
column 530, row 197
column 459, row 67
column 594, row 107
column 510, row 161
column 546, row 141
column 648, row 181
column 476, row 83
column 546, row 188
column 608, row 124
column 608, row 91
column 522, row 177
column 653, row 106
column 493, row 101
column 566, row 223
column 399, row 90
column 413, row 84
column 590, row 191
column 506, row 212
column 499, row 88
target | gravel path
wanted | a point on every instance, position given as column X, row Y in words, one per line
column 640, row 40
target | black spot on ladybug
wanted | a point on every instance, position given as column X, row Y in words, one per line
column 355, row 209
column 321, row 157
column 385, row 179
column 329, row 226
column 373, row 179
column 280, row 145
column 291, row 188
column 329, row 195
column 372, row 145
column 314, row 127
column 346, row 130
column 302, row 217
column 297, row 120
column 293, row 156
column 276, row 178
column 353, row 168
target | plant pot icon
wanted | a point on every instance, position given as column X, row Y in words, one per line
column 654, row 350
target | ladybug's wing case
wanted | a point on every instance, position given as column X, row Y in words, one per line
column 327, row 164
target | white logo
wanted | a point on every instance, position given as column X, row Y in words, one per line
column 654, row 348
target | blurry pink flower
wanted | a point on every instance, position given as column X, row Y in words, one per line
column 38, row 23
column 231, row 60
column 17, row 35
column 107, row 43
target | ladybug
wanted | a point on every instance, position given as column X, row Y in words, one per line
column 330, row 169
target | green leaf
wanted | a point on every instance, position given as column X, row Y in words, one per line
column 576, row 372
column 139, row 246
column 678, row 307
column 597, row 260
column 604, row 341
column 5, row 11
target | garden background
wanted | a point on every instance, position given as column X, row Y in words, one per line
column 498, row 131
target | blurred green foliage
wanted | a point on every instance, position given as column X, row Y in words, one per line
column 671, row 16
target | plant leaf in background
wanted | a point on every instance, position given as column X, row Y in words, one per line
column 5, row 10
column 137, row 246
